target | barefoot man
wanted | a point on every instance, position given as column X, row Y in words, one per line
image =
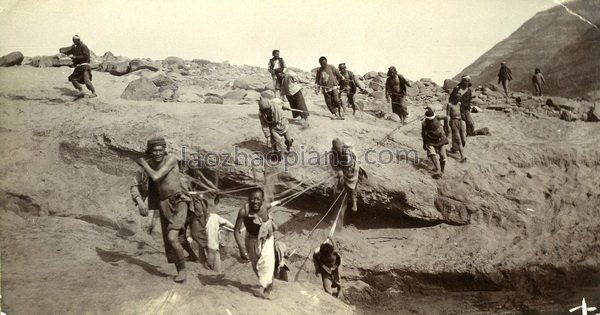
column 80, row 54
column 395, row 91
column 259, row 244
column 348, row 173
column 173, row 201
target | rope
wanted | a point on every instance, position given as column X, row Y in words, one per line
column 309, row 234
column 332, row 231
column 316, row 225
column 297, row 194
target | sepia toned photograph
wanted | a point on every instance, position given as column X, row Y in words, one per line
column 300, row 157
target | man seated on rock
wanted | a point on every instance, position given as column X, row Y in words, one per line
column 327, row 80
column 163, row 173
column 348, row 85
column 80, row 54
column 292, row 90
column 453, row 113
column 259, row 243
column 395, row 91
column 274, row 125
column 435, row 141
column 327, row 265
column 276, row 63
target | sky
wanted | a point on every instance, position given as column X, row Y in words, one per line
column 421, row 38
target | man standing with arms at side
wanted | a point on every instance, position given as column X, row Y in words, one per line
column 327, row 80
column 504, row 76
column 395, row 90
column 275, row 64
column 80, row 54
column 464, row 94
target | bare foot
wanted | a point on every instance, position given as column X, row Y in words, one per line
column 181, row 276
column 263, row 295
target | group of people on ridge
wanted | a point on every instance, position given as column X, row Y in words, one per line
column 161, row 186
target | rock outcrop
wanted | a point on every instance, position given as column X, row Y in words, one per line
column 12, row 59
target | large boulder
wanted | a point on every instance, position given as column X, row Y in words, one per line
column 13, row 59
column 377, row 84
column 490, row 92
column 163, row 81
column 594, row 114
column 237, row 95
column 268, row 94
column 43, row 61
column 148, row 64
column 412, row 91
column 378, row 95
column 141, row 89
column 252, row 95
column 109, row 56
column 449, row 84
column 564, row 103
column 371, row 75
column 567, row 115
column 174, row 61
column 62, row 60
column 211, row 98
column 251, row 83
column 117, row 68
column 189, row 94
column 201, row 62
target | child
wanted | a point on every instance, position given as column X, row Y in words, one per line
column 327, row 264
column 210, row 224
column 281, row 268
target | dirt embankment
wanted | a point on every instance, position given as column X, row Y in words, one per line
column 521, row 222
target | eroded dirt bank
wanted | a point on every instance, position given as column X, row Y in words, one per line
column 515, row 228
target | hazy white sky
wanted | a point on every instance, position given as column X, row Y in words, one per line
column 422, row 38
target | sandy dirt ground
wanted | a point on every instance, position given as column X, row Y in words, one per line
column 73, row 243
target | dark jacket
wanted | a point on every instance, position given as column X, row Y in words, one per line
column 272, row 64
column 81, row 54
column 504, row 74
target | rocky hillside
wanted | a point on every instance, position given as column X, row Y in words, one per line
column 514, row 228
column 566, row 49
